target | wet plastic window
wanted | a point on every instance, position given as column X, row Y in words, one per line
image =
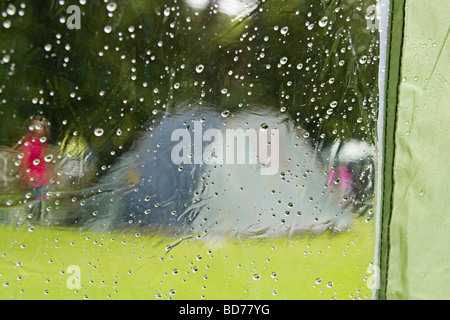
column 217, row 149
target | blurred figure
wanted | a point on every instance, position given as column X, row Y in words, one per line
column 35, row 158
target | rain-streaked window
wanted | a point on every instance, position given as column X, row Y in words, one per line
column 197, row 149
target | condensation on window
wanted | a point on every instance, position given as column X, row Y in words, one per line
column 198, row 149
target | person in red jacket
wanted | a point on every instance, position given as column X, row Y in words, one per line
column 34, row 154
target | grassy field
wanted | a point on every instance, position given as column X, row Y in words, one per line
column 39, row 263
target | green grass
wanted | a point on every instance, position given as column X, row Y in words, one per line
column 127, row 265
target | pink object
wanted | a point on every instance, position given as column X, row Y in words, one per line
column 340, row 177
column 34, row 171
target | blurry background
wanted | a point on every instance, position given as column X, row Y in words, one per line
column 132, row 60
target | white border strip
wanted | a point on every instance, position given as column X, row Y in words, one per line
column 384, row 7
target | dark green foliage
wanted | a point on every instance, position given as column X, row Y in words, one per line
column 145, row 65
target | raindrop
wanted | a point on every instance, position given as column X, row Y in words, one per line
column 11, row 9
column 199, row 68
column 48, row 47
column 167, row 12
column 107, row 29
column 7, row 24
column 283, row 60
column 225, row 113
column 111, row 6
column 323, row 21
column 363, row 59
column 333, row 104
column 98, row 132
column 6, row 58
column 48, row 158
column 284, row 30
column 264, row 126
column 256, row 276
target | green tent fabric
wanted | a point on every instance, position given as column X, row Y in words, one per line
column 418, row 266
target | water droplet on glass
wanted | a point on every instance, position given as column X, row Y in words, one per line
column 256, row 276
column 284, row 30
column 48, row 47
column 6, row 58
column 7, row 24
column 199, row 68
column 98, row 132
column 111, row 6
column 167, row 12
column 283, row 60
column 363, row 59
column 107, row 29
column 323, row 21
column 225, row 113
column 11, row 9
